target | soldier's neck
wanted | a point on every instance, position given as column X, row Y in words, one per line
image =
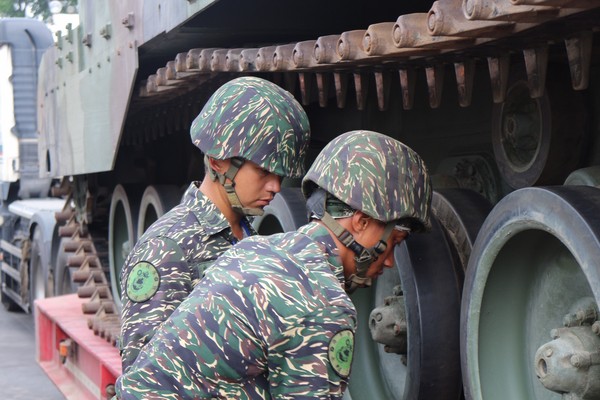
column 216, row 193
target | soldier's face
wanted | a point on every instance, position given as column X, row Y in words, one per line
column 369, row 237
column 256, row 186
column 386, row 260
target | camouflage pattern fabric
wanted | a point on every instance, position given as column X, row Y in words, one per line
column 270, row 319
column 166, row 264
column 256, row 120
column 373, row 173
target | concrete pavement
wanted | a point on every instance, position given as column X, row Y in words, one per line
column 21, row 378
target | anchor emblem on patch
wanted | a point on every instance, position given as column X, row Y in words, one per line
column 142, row 282
column 341, row 350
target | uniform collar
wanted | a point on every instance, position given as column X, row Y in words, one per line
column 210, row 218
column 321, row 235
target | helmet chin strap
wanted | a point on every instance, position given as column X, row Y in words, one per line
column 234, row 200
column 363, row 257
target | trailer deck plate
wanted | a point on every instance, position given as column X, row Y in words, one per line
column 92, row 363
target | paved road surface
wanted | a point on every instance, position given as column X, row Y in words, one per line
column 21, row 378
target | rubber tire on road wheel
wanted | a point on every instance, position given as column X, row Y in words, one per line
column 427, row 267
column 123, row 214
column 63, row 282
column 559, row 110
column 156, row 201
column 286, row 212
column 430, row 268
column 536, row 254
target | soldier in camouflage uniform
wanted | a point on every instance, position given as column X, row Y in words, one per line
column 252, row 133
column 271, row 318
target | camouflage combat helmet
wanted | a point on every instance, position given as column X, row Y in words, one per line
column 254, row 119
column 250, row 118
column 373, row 173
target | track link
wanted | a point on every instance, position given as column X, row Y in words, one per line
column 458, row 33
column 87, row 270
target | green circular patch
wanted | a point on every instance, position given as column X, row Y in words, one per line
column 142, row 282
column 341, row 350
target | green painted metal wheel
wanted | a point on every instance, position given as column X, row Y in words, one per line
column 285, row 213
column 156, row 201
column 429, row 270
column 63, row 282
column 123, row 214
column 528, row 137
column 589, row 176
column 530, row 298
column 431, row 267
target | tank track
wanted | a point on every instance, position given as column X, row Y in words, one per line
column 86, row 263
column 459, row 33
column 455, row 32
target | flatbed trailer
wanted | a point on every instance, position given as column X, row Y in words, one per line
column 82, row 364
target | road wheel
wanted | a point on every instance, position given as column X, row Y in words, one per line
column 423, row 293
column 531, row 294
column 528, row 134
column 63, row 282
column 285, row 213
column 589, row 176
column 123, row 214
column 156, row 201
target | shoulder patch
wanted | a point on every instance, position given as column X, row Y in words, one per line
column 341, row 350
column 142, row 282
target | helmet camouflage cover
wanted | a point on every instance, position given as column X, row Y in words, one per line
column 375, row 174
column 256, row 120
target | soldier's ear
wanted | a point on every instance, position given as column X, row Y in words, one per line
column 220, row 166
column 360, row 221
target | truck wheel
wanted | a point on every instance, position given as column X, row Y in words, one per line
column 124, row 206
column 285, row 213
column 8, row 303
column 426, row 284
column 156, row 201
column 533, row 277
column 38, row 284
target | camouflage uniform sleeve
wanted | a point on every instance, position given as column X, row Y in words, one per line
column 312, row 359
column 154, row 281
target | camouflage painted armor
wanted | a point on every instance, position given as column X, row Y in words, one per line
column 256, row 120
column 373, row 173
column 270, row 319
column 166, row 264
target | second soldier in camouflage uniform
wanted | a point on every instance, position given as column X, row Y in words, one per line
column 271, row 318
column 252, row 133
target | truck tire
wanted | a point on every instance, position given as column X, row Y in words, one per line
column 38, row 283
column 8, row 303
